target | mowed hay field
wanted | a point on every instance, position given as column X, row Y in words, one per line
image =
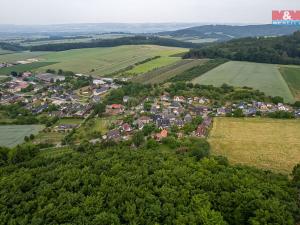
column 292, row 77
column 104, row 61
column 260, row 142
column 263, row 77
column 12, row 135
column 164, row 73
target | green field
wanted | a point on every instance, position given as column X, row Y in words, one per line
column 13, row 57
column 25, row 67
column 264, row 143
column 292, row 78
column 165, row 73
column 103, row 61
column 153, row 64
column 264, row 77
column 12, row 135
column 2, row 51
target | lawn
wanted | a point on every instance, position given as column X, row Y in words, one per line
column 12, row 135
column 264, row 143
column 105, row 61
column 292, row 78
column 164, row 73
column 263, row 77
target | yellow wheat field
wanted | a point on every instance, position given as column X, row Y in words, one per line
column 263, row 143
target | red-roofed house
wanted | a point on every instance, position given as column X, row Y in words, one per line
column 115, row 109
column 161, row 135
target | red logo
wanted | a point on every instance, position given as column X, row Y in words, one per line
column 286, row 15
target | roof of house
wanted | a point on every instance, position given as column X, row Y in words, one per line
column 126, row 127
column 117, row 106
column 113, row 134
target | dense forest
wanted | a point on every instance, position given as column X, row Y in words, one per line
column 174, row 183
column 11, row 47
column 278, row 50
column 136, row 40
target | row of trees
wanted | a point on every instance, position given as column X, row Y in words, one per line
column 136, row 40
column 219, row 94
column 197, row 71
column 174, row 183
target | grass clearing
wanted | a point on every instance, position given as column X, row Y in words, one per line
column 167, row 72
column 264, row 143
column 103, row 61
column 263, row 77
column 12, row 135
column 292, row 78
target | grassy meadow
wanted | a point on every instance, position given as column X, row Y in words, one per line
column 12, row 135
column 264, row 77
column 264, row 143
column 292, row 78
column 165, row 73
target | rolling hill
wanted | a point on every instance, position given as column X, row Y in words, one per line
column 228, row 32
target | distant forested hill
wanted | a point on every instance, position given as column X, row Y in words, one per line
column 11, row 47
column 278, row 50
column 226, row 32
column 136, row 40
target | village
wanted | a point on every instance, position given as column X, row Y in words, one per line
column 51, row 95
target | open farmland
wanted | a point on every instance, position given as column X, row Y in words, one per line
column 13, row 57
column 264, row 143
column 264, row 77
column 103, row 61
column 292, row 78
column 153, row 64
column 3, row 52
column 24, row 67
column 165, row 73
column 12, row 135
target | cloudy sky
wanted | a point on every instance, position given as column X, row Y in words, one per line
column 98, row 11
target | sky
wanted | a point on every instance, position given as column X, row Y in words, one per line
column 29, row 12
